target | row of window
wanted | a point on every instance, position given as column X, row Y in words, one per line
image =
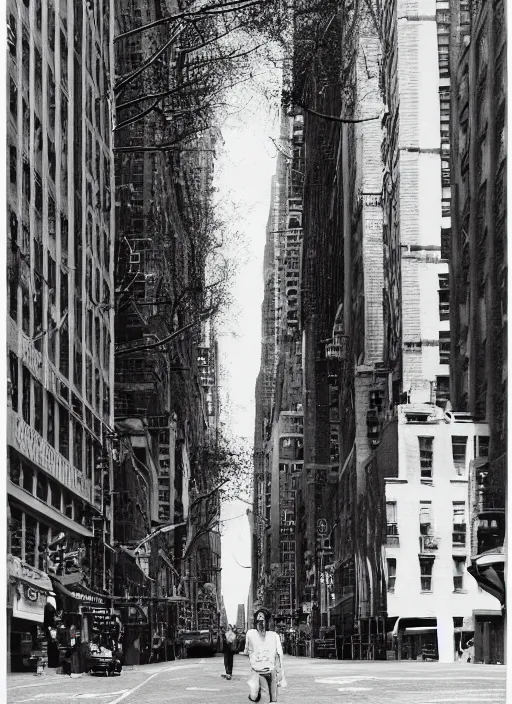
column 426, row 522
column 38, row 484
column 26, row 393
column 427, row 573
column 459, row 453
column 53, row 420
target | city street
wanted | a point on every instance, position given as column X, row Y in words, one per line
column 312, row 681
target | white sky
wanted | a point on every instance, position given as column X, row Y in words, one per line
column 244, row 169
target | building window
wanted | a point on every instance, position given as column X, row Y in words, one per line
column 41, row 487
column 444, row 347
column 55, row 496
column 391, row 574
column 442, row 390
column 13, row 99
column 14, row 467
column 459, row 524
column 459, row 443
column 13, row 164
column 392, row 525
column 481, row 446
column 28, row 478
column 444, row 297
column 13, row 376
column 30, row 540
column 26, row 395
column 16, row 532
column 44, row 531
column 63, row 432
column 426, row 458
column 50, row 419
column 426, row 569
column 425, row 518
column 38, row 406
column 77, row 445
column 459, row 566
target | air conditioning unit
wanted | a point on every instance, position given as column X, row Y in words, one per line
column 428, row 543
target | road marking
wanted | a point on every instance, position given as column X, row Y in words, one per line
column 165, row 669
column 458, row 700
column 26, row 686
column 71, row 695
column 348, row 679
column 201, row 689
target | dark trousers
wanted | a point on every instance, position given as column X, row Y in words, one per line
column 228, row 661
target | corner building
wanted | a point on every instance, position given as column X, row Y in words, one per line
column 60, row 314
column 421, row 444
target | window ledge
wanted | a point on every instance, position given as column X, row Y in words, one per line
column 459, row 480
column 460, row 591
column 395, row 480
column 430, row 591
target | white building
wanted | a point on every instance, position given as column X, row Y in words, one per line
column 428, row 533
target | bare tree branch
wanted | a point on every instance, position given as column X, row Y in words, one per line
column 219, row 8
column 124, row 80
column 136, row 118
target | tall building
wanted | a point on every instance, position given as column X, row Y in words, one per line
column 359, row 325
column 279, row 432
column 478, row 290
column 396, row 494
column 166, row 351
column 60, row 306
column 240, row 617
column 420, row 466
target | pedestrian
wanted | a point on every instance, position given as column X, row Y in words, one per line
column 266, row 657
column 228, row 648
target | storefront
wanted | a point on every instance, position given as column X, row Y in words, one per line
column 27, row 594
column 79, row 611
column 415, row 639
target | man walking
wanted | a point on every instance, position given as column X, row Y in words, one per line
column 228, row 647
column 266, row 657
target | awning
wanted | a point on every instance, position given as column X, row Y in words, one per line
column 408, row 622
column 78, row 591
column 488, row 570
column 23, row 572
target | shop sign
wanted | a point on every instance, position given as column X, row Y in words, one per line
column 17, row 569
column 89, row 598
column 28, row 602
column 28, row 441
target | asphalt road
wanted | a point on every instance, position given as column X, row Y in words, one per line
column 198, row 681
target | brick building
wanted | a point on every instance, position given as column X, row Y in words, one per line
column 409, row 425
column 60, row 306
column 478, row 291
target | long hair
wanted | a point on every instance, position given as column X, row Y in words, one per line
column 267, row 615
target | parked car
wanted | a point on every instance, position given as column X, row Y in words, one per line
column 199, row 640
column 102, row 660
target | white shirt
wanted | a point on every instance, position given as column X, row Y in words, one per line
column 262, row 651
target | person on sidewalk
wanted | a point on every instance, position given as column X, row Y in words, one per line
column 266, row 657
column 229, row 647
